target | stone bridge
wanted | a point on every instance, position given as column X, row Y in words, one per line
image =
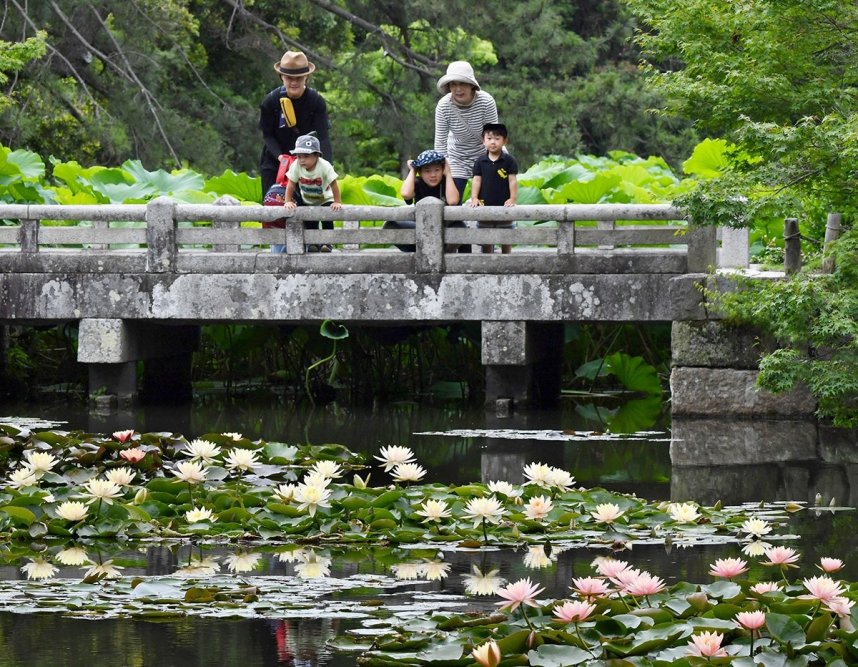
column 141, row 279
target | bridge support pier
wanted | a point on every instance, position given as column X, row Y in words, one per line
column 523, row 361
column 112, row 347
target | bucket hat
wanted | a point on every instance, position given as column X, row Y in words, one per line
column 306, row 144
column 428, row 157
column 294, row 63
column 458, row 70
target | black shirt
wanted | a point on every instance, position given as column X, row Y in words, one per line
column 494, row 190
column 421, row 190
column 311, row 113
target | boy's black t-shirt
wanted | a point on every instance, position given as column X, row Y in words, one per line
column 494, row 190
column 421, row 190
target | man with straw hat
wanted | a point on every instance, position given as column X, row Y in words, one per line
column 289, row 111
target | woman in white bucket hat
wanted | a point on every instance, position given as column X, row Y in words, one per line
column 459, row 119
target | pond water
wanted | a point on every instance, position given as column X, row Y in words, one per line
column 315, row 605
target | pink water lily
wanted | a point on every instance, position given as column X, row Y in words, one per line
column 644, row 584
column 124, row 436
column 574, row 612
column 522, row 592
column 590, row 587
column 751, row 620
column 488, row 654
column 728, row 568
column 783, row 556
column 830, row 565
column 823, row 588
column 706, row 645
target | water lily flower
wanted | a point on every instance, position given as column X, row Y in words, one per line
column 728, row 568
column 191, row 472
column 755, row 548
column 359, row 482
column 39, row 568
column 313, row 478
column 830, row 565
column 198, row 514
column 539, row 474
column 121, row 476
column 783, row 556
column 574, row 612
column 505, row 488
column 407, row 571
column 683, row 512
column 310, row 497
column 105, row 570
column 285, row 492
column 72, row 511
column 313, row 566
column 483, row 509
column 132, row 455
column 590, row 587
column 706, row 645
column 538, row 507
column 765, row 587
column 72, row 556
column 751, row 620
column 560, row 478
column 840, row 606
column 327, row 468
column 40, row 462
column 199, row 567
column 522, row 592
column 124, row 436
column 22, row 477
column 202, row 450
column 235, row 436
column 244, row 561
column 434, row 510
column 609, row 567
column 394, row 455
column 408, row 472
column 644, row 584
column 623, row 578
column 606, row 513
column 241, row 459
column 480, row 583
column 435, row 570
column 487, row 654
column 535, row 558
column 756, row 527
column 823, row 588
column 102, row 490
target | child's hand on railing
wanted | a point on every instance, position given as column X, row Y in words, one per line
column 290, row 204
column 474, row 203
column 336, row 206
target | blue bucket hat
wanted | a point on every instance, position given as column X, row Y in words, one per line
column 428, row 157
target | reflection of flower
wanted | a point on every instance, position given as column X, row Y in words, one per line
column 121, row 476
column 21, row 477
column 538, row 507
column 393, row 455
column 310, row 497
column 482, row 584
column 313, row 566
column 728, row 567
column 574, row 612
column 538, row 473
column 483, row 509
column 242, row 562
column 124, row 436
column 39, row 569
column 755, row 548
column 202, row 450
column 191, row 472
column 522, row 592
column 132, row 455
column 536, row 558
column 751, row 620
column 683, row 512
column 823, row 588
column 830, row 565
column 488, row 654
column 72, row 556
column 198, row 514
column 40, row 462
column 706, row 645
column 434, row 510
column 407, row 571
column 327, row 468
column 199, row 567
column 408, row 472
column 435, row 570
column 606, row 513
column 241, row 459
column 756, row 527
column 102, row 490
column 106, row 570
column 72, row 510
column 291, row 555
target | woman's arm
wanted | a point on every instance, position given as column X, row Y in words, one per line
column 322, row 127
column 442, row 125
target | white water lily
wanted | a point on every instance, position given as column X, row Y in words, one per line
column 434, row 510
column 756, row 527
column 102, row 490
column 198, row 514
column 285, row 492
column 310, row 497
column 105, row 570
column 560, row 478
column 39, row 568
column 22, row 477
column 683, row 512
column 483, row 509
column 505, row 488
column 539, row 474
column 538, row 507
column 480, row 583
column 607, row 513
column 72, row 511
column 40, row 462
column 242, row 562
column 241, row 459
column 313, row 478
column 408, row 472
column 120, row 476
column 235, row 436
column 393, row 455
column 327, row 468
column 73, row 556
column 202, row 450
column 191, row 472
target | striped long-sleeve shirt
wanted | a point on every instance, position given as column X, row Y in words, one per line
column 458, row 131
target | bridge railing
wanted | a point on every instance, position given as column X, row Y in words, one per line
column 169, row 236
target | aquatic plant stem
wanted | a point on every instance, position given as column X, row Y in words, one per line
column 486, row 538
column 581, row 639
column 526, row 619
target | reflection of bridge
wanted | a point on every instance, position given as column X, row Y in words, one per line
column 140, row 278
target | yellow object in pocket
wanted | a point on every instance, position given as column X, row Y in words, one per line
column 288, row 111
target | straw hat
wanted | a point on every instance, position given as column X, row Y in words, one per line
column 294, row 63
column 458, row 70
